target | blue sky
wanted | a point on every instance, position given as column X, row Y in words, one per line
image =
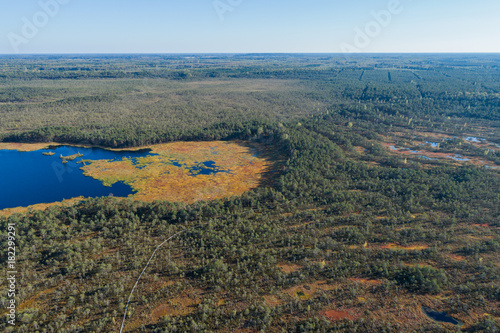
column 241, row 26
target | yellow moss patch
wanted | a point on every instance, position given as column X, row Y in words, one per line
column 29, row 303
column 420, row 264
column 180, row 306
column 366, row 281
column 301, row 225
column 158, row 177
column 289, row 268
column 271, row 301
column 306, row 291
column 393, row 246
column 25, row 146
column 334, row 315
column 360, row 150
column 22, row 210
column 457, row 257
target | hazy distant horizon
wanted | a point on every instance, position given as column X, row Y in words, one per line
column 252, row 53
column 243, row 26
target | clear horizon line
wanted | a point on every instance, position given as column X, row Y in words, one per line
column 239, row 53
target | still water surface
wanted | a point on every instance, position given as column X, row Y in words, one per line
column 28, row 178
column 442, row 317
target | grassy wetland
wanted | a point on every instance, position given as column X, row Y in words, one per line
column 316, row 193
column 186, row 171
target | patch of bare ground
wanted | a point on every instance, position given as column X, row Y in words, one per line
column 367, row 281
column 289, row 268
column 182, row 305
column 36, row 301
column 416, row 247
column 179, row 306
column 271, row 301
column 360, row 150
column 336, row 315
column 484, row 225
column 301, row 225
column 457, row 257
column 307, row 290
column 419, row 264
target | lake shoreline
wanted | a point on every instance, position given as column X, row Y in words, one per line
column 177, row 171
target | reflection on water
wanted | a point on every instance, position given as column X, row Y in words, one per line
column 433, row 144
column 458, row 157
column 474, row 139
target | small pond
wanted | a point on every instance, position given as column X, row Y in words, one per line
column 203, row 168
column 441, row 317
column 458, row 157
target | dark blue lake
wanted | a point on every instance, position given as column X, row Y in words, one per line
column 28, row 178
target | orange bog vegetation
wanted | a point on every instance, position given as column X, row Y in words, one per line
column 334, row 315
column 25, row 146
column 173, row 173
column 394, row 246
column 42, row 206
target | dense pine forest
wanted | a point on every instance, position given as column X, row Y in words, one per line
column 366, row 218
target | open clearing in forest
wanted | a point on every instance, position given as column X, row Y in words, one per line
column 186, row 171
